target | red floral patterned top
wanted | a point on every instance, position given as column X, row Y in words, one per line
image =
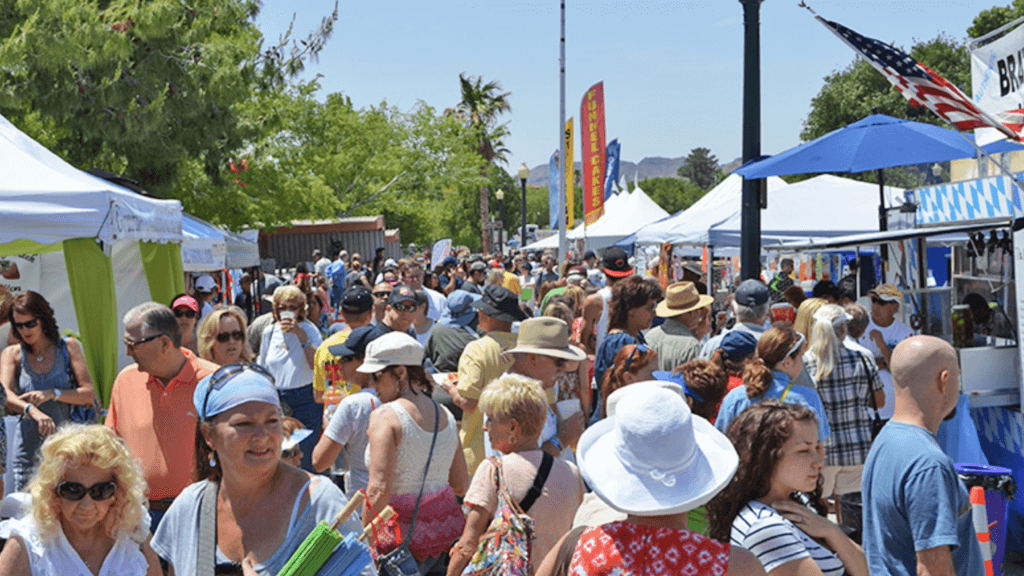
column 626, row 549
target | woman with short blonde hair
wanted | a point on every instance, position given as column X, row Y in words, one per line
column 88, row 510
column 516, row 407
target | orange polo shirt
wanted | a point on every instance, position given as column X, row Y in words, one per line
column 159, row 424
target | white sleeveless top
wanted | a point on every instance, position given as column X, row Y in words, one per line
column 602, row 322
column 56, row 557
column 414, row 450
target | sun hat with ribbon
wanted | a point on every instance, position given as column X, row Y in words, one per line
column 652, row 457
column 680, row 298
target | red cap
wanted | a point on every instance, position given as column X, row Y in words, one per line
column 186, row 301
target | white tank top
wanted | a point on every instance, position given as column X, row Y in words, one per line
column 602, row 322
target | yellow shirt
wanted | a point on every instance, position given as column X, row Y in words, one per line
column 483, row 360
column 323, row 360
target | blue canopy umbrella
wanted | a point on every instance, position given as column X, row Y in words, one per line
column 873, row 143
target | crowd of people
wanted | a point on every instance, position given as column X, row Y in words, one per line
column 619, row 425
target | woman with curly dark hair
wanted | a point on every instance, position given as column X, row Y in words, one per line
column 777, row 362
column 782, row 520
column 630, row 311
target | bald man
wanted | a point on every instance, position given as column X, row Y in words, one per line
column 917, row 514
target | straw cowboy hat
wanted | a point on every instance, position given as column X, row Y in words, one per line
column 653, row 457
column 680, row 298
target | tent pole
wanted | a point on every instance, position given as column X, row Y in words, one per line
column 883, row 221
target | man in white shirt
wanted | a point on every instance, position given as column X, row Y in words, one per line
column 882, row 335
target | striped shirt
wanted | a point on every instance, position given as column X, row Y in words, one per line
column 844, row 392
column 777, row 541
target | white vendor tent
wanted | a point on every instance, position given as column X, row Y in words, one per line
column 204, row 247
column 823, row 206
column 624, row 213
column 692, row 226
column 90, row 247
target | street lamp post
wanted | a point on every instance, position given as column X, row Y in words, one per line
column 524, row 173
column 750, row 215
column 500, row 194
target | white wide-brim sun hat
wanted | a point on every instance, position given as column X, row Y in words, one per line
column 652, row 457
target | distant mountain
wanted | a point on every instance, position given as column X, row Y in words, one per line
column 650, row 167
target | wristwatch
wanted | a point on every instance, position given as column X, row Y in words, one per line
column 57, row 392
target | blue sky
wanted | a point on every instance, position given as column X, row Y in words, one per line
column 672, row 70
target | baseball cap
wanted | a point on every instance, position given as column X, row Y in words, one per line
column 616, row 263
column 887, row 292
column 354, row 345
column 402, row 293
column 391, row 349
column 205, row 284
column 186, row 301
column 356, row 300
column 751, row 292
column 478, row 266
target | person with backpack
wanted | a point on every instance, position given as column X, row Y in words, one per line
column 547, row 489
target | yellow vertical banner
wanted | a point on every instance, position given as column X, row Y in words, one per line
column 570, row 178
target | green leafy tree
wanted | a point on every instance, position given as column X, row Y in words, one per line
column 481, row 106
column 148, row 89
column 995, row 17
column 700, row 167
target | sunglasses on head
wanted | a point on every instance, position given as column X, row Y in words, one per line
column 223, row 375
column 128, row 342
column 404, row 307
column 642, row 348
column 223, row 337
column 186, row 312
column 74, row 491
column 30, row 324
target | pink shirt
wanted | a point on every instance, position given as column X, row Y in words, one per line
column 552, row 512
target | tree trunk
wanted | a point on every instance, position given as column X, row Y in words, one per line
column 485, row 231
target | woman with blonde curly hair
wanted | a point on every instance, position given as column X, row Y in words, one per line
column 222, row 337
column 88, row 514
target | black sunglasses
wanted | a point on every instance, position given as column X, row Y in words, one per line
column 74, row 491
column 133, row 343
column 223, row 337
column 30, row 324
column 226, row 373
column 186, row 312
column 382, row 294
column 404, row 307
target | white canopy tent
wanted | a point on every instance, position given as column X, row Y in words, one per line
column 823, row 206
column 692, row 226
column 90, row 247
column 624, row 213
column 204, row 247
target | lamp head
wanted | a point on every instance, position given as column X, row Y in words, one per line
column 524, row 172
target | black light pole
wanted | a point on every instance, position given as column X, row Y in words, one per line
column 750, row 217
column 523, row 173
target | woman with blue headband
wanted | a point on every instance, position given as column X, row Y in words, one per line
column 262, row 508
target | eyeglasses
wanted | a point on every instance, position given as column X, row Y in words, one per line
column 186, row 312
column 642, row 348
column 74, row 491
column 382, row 294
column 30, row 324
column 223, row 337
column 404, row 307
column 129, row 343
column 223, row 375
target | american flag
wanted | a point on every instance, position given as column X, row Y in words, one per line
column 921, row 85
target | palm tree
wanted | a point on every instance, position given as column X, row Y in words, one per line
column 479, row 110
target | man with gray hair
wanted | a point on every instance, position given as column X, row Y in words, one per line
column 750, row 306
column 151, row 402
